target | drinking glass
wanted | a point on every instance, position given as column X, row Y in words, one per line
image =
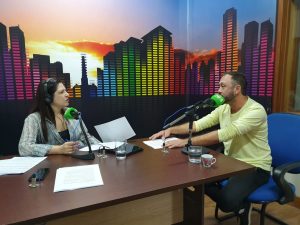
column 194, row 154
column 121, row 151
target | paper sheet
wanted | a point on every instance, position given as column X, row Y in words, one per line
column 115, row 130
column 19, row 165
column 75, row 177
column 158, row 143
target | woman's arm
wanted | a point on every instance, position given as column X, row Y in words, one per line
column 28, row 145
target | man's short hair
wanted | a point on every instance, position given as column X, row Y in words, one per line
column 240, row 79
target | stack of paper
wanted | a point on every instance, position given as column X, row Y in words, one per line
column 158, row 143
column 75, row 177
column 19, row 165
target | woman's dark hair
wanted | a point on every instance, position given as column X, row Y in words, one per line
column 42, row 103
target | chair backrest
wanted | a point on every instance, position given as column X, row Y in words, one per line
column 284, row 138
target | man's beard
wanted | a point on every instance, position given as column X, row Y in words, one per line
column 229, row 98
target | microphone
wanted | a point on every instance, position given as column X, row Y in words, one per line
column 214, row 101
column 72, row 113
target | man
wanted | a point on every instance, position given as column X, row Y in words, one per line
column 244, row 132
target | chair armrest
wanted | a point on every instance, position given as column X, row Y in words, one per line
column 278, row 176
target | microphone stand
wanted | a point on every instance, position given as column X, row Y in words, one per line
column 174, row 121
column 191, row 114
column 90, row 155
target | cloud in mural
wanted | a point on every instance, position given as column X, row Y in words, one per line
column 203, row 55
column 69, row 53
column 93, row 48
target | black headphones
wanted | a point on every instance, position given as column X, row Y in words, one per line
column 48, row 96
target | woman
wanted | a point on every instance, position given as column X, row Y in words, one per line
column 45, row 130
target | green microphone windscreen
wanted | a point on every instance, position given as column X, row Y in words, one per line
column 217, row 99
column 71, row 113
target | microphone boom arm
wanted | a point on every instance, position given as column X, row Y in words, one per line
column 90, row 155
column 85, row 135
column 174, row 121
column 191, row 110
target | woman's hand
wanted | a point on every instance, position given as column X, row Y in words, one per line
column 69, row 147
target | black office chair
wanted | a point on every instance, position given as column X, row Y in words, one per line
column 284, row 140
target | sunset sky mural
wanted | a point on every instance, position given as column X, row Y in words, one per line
column 63, row 29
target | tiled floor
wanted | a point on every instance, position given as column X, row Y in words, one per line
column 289, row 214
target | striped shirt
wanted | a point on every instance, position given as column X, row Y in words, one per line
column 32, row 142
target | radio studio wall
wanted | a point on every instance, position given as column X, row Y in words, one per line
column 140, row 59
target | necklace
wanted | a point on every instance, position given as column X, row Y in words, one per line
column 61, row 121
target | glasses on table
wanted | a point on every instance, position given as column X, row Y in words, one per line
column 164, row 148
column 102, row 152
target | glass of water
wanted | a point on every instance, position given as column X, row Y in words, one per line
column 194, row 154
column 121, row 151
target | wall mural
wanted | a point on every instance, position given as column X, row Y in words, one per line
column 135, row 58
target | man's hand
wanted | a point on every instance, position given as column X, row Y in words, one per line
column 161, row 134
column 176, row 143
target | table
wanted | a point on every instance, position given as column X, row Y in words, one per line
column 145, row 174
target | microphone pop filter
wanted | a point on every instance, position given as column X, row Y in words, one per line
column 217, row 99
column 71, row 113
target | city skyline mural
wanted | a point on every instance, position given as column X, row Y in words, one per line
column 140, row 59
column 153, row 64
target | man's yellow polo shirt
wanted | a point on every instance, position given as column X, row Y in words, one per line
column 244, row 133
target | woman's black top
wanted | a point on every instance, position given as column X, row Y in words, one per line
column 65, row 135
